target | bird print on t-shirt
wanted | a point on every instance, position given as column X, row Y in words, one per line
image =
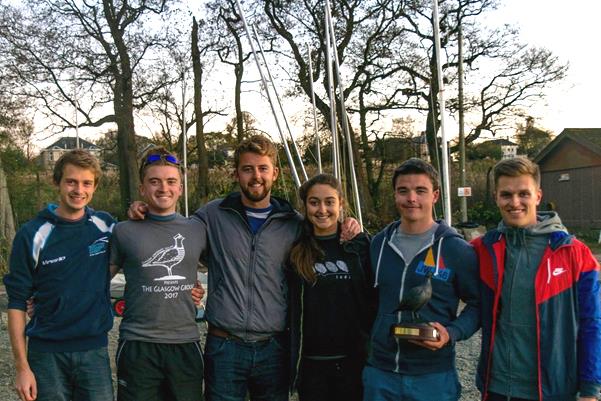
column 168, row 258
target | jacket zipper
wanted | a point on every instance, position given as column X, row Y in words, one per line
column 401, row 291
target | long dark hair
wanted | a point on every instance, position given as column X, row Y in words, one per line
column 305, row 251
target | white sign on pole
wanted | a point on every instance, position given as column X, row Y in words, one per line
column 464, row 191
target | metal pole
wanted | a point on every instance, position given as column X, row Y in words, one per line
column 462, row 179
column 185, row 138
column 76, row 118
column 317, row 147
column 334, row 128
column 277, row 122
column 445, row 159
column 277, row 96
column 345, row 123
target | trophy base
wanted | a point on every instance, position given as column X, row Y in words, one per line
column 415, row 331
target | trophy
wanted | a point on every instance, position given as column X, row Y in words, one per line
column 413, row 300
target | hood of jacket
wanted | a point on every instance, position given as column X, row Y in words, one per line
column 443, row 230
column 49, row 214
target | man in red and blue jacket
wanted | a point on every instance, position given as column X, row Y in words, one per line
column 541, row 311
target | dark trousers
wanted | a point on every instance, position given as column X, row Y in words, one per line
column 499, row 397
column 330, row 380
column 159, row 372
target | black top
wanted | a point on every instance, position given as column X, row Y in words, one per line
column 331, row 317
column 340, row 307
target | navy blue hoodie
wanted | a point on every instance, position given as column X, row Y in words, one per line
column 455, row 277
column 64, row 266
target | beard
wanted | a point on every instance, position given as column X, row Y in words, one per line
column 256, row 196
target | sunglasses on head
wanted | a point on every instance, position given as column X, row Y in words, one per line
column 157, row 157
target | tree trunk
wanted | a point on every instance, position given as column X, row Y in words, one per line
column 7, row 222
column 124, row 114
column 201, row 150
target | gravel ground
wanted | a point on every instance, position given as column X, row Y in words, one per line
column 467, row 356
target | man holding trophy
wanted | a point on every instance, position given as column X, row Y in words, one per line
column 422, row 269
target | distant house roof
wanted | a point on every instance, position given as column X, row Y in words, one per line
column 501, row 142
column 587, row 137
column 68, row 142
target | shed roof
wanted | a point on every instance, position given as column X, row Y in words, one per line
column 588, row 137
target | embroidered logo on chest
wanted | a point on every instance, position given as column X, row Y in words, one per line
column 99, row 246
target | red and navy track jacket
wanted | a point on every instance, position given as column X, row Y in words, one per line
column 568, row 314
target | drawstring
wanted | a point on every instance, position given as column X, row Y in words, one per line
column 438, row 255
column 379, row 258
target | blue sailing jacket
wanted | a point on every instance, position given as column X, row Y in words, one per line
column 452, row 262
column 64, row 266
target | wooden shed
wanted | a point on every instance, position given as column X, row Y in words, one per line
column 571, row 176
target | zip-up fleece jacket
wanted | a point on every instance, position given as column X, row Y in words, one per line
column 452, row 262
column 247, row 283
column 568, row 315
column 357, row 251
column 64, row 265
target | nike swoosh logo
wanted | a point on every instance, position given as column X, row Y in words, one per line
column 558, row 270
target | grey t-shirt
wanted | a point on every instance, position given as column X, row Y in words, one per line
column 411, row 244
column 159, row 257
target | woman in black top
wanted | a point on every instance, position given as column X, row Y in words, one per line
column 331, row 307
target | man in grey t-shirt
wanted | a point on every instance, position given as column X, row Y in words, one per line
column 159, row 355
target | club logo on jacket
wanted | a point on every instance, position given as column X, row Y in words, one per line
column 428, row 265
column 168, row 257
column 338, row 268
column 99, row 246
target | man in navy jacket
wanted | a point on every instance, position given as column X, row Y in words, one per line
column 61, row 259
column 403, row 256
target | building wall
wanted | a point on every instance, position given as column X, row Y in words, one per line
column 571, row 180
column 575, row 194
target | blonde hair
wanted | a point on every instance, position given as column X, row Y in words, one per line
column 516, row 167
column 80, row 158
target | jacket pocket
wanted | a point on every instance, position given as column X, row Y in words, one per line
column 383, row 344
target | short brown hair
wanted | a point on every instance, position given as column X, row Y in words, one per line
column 163, row 154
column 417, row 166
column 258, row 144
column 516, row 167
column 80, row 158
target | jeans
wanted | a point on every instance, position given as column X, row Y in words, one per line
column 72, row 376
column 235, row 368
column 382, row 385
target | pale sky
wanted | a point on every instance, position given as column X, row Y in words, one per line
column 569, row 29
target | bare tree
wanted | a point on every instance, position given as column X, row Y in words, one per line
column 200, row 64
column 86, row 56
column 387, row 55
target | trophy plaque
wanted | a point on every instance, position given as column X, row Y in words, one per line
column 413, row 301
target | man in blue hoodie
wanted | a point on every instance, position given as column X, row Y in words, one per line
column 404, row 255
column 61, row 258
column 541, row 309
